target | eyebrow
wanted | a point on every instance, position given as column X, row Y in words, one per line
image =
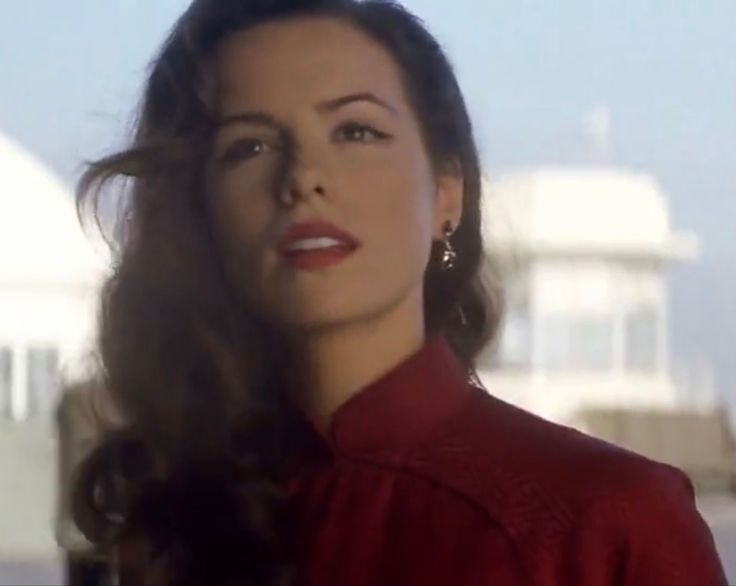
column 265, row 119
column 260, row 118
column 336, row 103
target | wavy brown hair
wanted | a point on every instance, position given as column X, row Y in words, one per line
column 192, row 479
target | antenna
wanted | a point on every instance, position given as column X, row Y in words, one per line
column 598, row 129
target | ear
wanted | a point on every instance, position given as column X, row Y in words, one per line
column 449, row 199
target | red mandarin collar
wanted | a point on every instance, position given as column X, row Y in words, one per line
column 402, row 407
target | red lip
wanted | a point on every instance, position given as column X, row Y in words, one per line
column 317, row 259
column 315, row 230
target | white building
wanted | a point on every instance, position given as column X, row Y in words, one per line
column 584, row 253
column 49, row 278
column 49, row 282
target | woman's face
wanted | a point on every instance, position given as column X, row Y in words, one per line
column 316, row 126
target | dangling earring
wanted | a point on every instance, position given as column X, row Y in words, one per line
column 448, row 253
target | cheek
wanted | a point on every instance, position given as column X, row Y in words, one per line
column 240, row 212
column 243, row 184
column 395, row 200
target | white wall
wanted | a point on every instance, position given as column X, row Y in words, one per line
column 559, row 396
column 62, row 317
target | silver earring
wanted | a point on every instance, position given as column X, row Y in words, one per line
column 448, row 253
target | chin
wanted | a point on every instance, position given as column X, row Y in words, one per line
column 337, row 307
column 323, row 316
column 313, row 320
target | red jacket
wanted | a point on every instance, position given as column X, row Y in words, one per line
column 426, row 480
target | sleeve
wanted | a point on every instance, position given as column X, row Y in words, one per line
column 667, row 540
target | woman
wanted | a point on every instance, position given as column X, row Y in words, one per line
column 291, row 330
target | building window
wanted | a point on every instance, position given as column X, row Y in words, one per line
column 641, row 325
column 43, row 385
column 577, row 342
column 6, row 382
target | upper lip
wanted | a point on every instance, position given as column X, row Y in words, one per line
column 315, row 229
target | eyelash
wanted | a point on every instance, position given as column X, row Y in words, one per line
column 377, row 134
column 231, row 153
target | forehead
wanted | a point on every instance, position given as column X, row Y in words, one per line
column 305, row 60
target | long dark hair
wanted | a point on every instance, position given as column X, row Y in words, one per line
column 194, row 474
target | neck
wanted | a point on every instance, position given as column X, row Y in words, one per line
column 344, row 359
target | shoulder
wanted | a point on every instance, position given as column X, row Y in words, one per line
column 560, row 495
column 503, row 457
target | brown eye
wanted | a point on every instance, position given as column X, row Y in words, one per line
column 243, row 150
column 354, row 132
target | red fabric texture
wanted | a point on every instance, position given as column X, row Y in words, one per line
column 426, row 480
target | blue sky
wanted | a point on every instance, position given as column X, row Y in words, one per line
column 71, row 70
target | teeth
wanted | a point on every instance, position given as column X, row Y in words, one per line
column 315, row 243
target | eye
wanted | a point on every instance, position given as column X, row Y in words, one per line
column 244, row 149
column 355, row 132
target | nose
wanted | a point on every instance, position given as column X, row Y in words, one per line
column 304, row 175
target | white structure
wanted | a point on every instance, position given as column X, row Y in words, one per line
column 583, row 253
column 49, row 283
column 49, row 280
